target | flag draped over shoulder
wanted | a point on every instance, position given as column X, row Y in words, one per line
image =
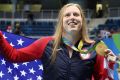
column 19, row 71
column 33, row 70
column 113, row 44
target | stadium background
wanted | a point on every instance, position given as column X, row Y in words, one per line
column 38, row 17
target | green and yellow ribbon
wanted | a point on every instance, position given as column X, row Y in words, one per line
column 99, row 47
column 79, row 48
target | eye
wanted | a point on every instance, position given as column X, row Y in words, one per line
column 67, row 14
column 76, row 14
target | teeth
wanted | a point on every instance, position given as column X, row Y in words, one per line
column 72, row 23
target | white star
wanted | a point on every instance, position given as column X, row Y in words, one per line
column 29, row 79
column 39, row 77
column 4, row 36
column 1, row 74
column 32, row 71
column 3, row 62
column 35, row 60
column 15, row 65
column 40, row 67
column 16, row 77
column 23, row 73
column 9, row 70
column 12, row 44
column 25, row 63
column 20, row 42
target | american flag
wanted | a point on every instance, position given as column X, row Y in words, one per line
column 19, row 71
column 33, row 70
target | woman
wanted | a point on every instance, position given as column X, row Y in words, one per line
column 61, row 58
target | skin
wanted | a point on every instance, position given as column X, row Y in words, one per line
column 72, row 20
column 72, row 23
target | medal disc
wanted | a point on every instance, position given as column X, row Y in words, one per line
column 100, row 48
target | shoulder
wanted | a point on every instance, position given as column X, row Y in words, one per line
column 46, row 39
column 42, row 42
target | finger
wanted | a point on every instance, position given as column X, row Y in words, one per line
column 109, row 52
column 111, row 58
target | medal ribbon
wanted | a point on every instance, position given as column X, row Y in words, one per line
column 79, row 48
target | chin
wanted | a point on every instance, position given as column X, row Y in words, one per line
column 75, row 29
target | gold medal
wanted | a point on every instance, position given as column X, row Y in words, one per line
column 100, row 48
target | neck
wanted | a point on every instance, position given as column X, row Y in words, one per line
column 72, row 37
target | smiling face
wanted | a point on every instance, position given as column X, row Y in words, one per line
column 72, row 20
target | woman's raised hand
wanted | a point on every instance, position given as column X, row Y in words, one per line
column 110, row 55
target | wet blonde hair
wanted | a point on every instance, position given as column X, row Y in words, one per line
column 59, row 29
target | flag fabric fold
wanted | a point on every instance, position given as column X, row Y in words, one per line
column 19, row 71
column 113, row 44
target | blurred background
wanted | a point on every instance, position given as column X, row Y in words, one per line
column 35, row 18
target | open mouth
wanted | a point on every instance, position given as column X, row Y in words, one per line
column 72, row 23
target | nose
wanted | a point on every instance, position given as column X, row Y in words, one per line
column 72, row 17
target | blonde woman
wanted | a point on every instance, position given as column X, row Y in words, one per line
column 65, row 56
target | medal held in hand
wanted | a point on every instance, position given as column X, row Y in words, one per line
column 100, row 48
